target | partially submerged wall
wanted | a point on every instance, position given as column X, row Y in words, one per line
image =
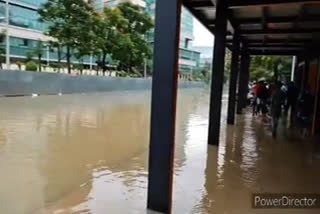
column 24, row 83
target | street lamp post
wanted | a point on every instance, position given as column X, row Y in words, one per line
column 7, row 36
column 48, row 55
column 145, row 68
column 91, row 62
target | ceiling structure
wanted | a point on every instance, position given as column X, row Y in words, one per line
column 266, row 27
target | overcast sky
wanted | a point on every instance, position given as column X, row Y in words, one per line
column 202, row 37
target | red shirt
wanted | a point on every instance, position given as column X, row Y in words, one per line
column 257, row 88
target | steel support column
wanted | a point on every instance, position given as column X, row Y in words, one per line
column 305, row 72
column 316, row 102
column 246, row 80
column 242, row 80
column 233, row 80
column 217, row 72
column 163, row 107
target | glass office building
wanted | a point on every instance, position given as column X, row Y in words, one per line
column 24, row 27
column 98, row 4
column 189, row 59
column 140, row 3
column 26, row 30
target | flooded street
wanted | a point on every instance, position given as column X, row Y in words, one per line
column 88, row 154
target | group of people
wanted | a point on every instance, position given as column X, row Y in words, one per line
column 270, row 100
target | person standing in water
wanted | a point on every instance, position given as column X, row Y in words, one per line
column 276, row 103
column 292, row 97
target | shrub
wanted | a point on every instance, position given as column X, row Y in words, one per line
column 31, row 66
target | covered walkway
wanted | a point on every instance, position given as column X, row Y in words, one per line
column 255, row 27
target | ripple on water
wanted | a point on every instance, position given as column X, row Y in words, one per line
column 89, row 154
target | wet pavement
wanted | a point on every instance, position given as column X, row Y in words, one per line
column 88, row 154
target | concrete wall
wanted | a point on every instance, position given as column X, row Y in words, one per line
column 18, row 83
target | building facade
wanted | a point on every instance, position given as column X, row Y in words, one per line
column 25, row 31
column 189, row 59
column 24, row 27
column 98, row 4
column 140, row 3
column 206, row 57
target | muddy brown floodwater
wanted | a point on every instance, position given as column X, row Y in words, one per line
column 88, row 154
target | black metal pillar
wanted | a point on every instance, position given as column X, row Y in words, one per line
column 233, row 80
column 306, row 72
column 316, row 106
column 246, row 80
column 243, row 80
column 163, row 107
column 217, row 72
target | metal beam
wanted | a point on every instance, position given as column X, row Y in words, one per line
column 202, row 19
column 276, row 44
column 268, row 45
column 264, row 18
column 217, row 73
column 261, row 3
column 272, row 46
column 233, row 79
column 276, row 49
column 296, row 40
column 280, row 20
column 274, row 53
column 302, row 14
column 201, row 4
column 281, row 31
column 231, row 23
column 163, row 107
column 264, row 41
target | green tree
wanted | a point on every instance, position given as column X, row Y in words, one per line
column 139, row 24
column 109, row 35
column 269, row 67
column 37, row 52
column 68, row 22
column 88, row 39
column 56, row 46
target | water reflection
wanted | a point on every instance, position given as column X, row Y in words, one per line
column 88, row 154
column 243, row 165
column 190, row 152
column 52, row 150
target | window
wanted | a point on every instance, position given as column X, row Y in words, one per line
column 25, row 42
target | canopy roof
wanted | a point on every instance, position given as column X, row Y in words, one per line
column 278, row 27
